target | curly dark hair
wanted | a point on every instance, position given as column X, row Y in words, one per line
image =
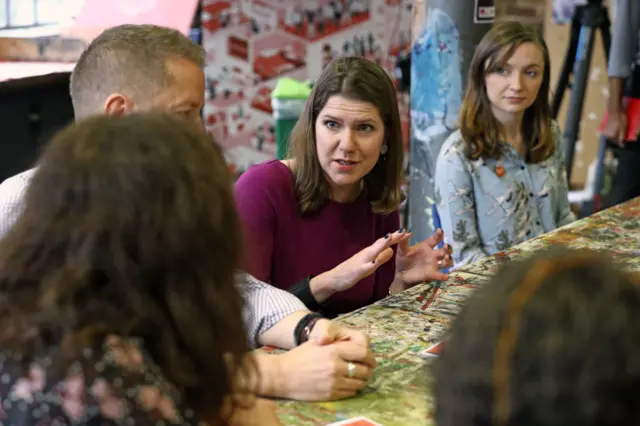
column 551, row 341
column 129, row 228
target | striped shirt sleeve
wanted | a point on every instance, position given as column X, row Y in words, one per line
column 265, row 305
column 12, row 193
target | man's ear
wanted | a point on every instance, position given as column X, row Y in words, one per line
column 118, row 104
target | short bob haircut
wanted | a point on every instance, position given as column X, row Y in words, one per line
column 129, row 229
column 478, row 125
column 361, row 80
column 552, row 340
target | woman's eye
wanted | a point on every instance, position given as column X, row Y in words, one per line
column 366, row 127
column 532, row 74
column 501, row 71
column 331, row 124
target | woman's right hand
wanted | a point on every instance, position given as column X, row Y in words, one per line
column 362, row 264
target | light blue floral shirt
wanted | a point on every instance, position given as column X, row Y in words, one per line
column 483, row 213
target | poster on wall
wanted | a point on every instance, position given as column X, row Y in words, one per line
column 563, row 10
column 484, row 11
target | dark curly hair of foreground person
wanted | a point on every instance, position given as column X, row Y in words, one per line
column 551, row 341
column 124, row 256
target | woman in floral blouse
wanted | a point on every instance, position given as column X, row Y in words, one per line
column 500, row 179
column 117, row 290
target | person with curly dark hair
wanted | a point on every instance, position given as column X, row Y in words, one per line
column 551, row 341
column 118, row 294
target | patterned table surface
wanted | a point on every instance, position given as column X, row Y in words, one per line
column 402, row 325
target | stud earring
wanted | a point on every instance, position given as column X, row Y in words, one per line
column 383, row 149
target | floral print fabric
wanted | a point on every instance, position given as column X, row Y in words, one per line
column 486, row 206
column 126, row 389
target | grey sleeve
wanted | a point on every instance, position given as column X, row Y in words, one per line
column 265, row 305
column 624, row 38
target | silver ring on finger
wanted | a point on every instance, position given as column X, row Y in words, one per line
column 351, row 370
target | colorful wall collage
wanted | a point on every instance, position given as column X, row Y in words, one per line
column 250, row 44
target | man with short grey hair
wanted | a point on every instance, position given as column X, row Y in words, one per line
column 143, row 67
column 139, row 67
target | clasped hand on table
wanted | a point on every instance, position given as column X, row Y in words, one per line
column 317, row 370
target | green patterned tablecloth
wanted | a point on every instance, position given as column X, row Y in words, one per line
column 402, row 325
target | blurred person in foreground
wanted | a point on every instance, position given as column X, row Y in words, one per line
column 551, row 341
column 117, row 284
column 136, row 68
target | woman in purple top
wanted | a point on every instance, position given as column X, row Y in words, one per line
column 324, row 223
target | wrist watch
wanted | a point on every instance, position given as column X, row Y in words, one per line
column 305, row 326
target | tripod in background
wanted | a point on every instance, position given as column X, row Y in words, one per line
column 587, row 20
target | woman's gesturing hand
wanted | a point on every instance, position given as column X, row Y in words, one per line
column 361, row 265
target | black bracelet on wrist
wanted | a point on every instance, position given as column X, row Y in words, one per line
column 305, row 325
column 302, row 290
